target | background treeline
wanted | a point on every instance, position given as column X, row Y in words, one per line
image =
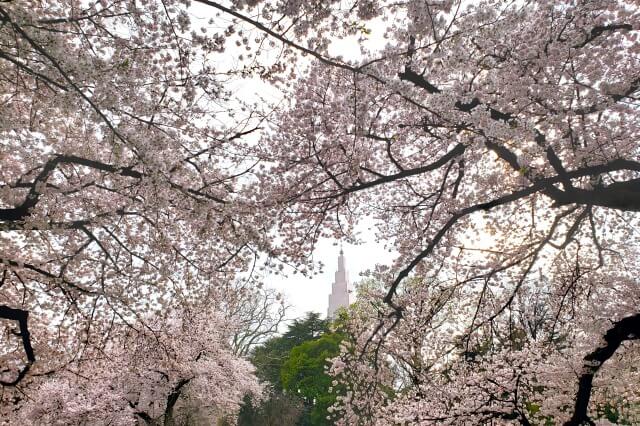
column 293, row 365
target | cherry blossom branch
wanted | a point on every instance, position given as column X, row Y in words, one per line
column 62, row 72
column 33, row 72
column 626, row 329
column 455, row 152
column 533, row 255
column 538, row 186
column 621, row 195
column 172, row 398
column 22, row 318
column 23, row 210
column 277, row 36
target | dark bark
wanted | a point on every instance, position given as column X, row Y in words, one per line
column 623, row 196
column 418, row 80
column 626, row 329
column 171, row 401
column 22, row 318
column 620, row 195
column 601, row 29
column 21, row 212
column 144, row 416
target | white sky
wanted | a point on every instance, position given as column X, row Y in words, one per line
column 306, row 294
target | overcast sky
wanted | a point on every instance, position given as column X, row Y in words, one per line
column 304, row 294
column 312, row 294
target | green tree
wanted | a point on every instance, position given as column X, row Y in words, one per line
column 281, row 408
column 304, row 373
column 270, row 357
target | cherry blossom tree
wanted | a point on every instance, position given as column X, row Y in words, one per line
column 425, row 371
column 494, row 142
column 496, row 145
column 121, row 151
column 172, row 368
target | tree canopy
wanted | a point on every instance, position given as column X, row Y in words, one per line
column 305, row 373
column 294, row 368
column 273, row 354
column 496, row 144
column 493, row 143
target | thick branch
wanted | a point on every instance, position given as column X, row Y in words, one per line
column 171, row 401
column 626, row 329
column 144, row 416
column 21, row 212
column 417, row 79
column 601, row 29
column 455, row 152
column 22, row 318
column 623, row 196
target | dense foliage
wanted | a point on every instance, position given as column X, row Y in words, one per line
column 494, row 143
column 305, row 373
column 295, row 368
column 270, row 357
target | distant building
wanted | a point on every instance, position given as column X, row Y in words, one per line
column 341, row 292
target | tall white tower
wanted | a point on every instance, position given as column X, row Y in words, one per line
column 340, row 296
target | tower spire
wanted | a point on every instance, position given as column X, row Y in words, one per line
column 340, row 296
